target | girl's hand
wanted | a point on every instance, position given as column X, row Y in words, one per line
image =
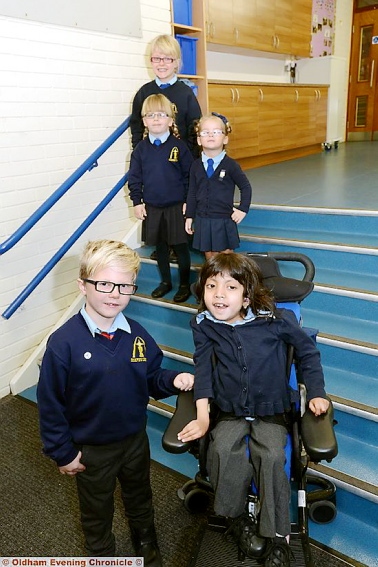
column 188, row 226
column 237, row 216
column 74, row 467
column 318, row 405
column 184, row 381
column 140, row 211
column 194, row 430
column 184, row 209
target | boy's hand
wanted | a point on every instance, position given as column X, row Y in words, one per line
column 318, row 405
column 237, row 216
column 194, row 430
column 74, row 467
column 189, row 225
column 184, row 381
column 140, row 211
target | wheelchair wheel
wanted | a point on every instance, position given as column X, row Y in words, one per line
column 322, row 512
column 196, row 501
column 187, row 487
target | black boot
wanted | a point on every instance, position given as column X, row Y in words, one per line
column 145, row 543
column 244, row 532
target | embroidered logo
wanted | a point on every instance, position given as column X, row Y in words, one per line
column 139, row 350
column 174, row 155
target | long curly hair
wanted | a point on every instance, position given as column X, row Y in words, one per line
column 244, row 270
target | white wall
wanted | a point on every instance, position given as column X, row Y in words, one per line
column 62, row 92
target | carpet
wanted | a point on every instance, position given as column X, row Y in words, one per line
column 39, row 514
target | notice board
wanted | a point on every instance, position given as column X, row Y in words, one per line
column 110, row 16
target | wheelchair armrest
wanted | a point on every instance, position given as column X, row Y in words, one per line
column 184, row 413
column 318, row 435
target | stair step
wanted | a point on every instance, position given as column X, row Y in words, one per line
column 348, row 317
column 350, row 375
column 313, row 225
column 353, row 531
column 358, row 453
column 348, row 269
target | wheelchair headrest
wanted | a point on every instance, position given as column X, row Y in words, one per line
column 283, row 288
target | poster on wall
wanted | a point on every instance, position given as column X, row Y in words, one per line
column 323, row 28
column 122, row 17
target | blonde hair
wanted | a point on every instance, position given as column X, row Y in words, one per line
column 223, row 123
column 168, row 45
column 100, row 254
column 156, row 103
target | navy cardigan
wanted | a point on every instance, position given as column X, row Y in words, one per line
column 249, row 378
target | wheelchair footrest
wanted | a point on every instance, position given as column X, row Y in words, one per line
column 214, row 549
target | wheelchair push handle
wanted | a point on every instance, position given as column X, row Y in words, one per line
column 297, row 257
column 285, row 289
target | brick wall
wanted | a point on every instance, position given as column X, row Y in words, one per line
column 62, row 92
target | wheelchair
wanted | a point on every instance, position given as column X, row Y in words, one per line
column 312, row 439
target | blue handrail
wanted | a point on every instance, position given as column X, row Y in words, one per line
column 63, row 249
column 87, row 165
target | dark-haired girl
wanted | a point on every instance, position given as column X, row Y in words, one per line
column 239, row 326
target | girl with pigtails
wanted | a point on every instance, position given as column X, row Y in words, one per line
column 158, row 185
column 211, row 215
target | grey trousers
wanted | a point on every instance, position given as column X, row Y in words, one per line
column 240, row 451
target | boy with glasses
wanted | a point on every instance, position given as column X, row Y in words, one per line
column 97, row 374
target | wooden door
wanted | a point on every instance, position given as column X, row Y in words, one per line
column 283, row 25
column 245, row 139
column 219, row 24
column 270, row 119
column 301, row 27
column 244, row 22
column 362, row 104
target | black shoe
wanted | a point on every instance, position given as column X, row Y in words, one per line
column 153, row 255
column 161, row 290
column 183, row 294
column 278, row 553
column 244, row 532
column 145, row 545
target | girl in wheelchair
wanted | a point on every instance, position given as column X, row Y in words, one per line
column 241, row 342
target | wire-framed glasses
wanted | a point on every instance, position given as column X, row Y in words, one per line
column 108, row 287
column 205, row 133
column 156, row 114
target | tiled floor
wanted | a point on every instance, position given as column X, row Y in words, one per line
column 342, row 178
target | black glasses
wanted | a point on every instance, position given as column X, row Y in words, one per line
column 108, row 287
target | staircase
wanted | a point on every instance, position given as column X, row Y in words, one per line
column 344, row 307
